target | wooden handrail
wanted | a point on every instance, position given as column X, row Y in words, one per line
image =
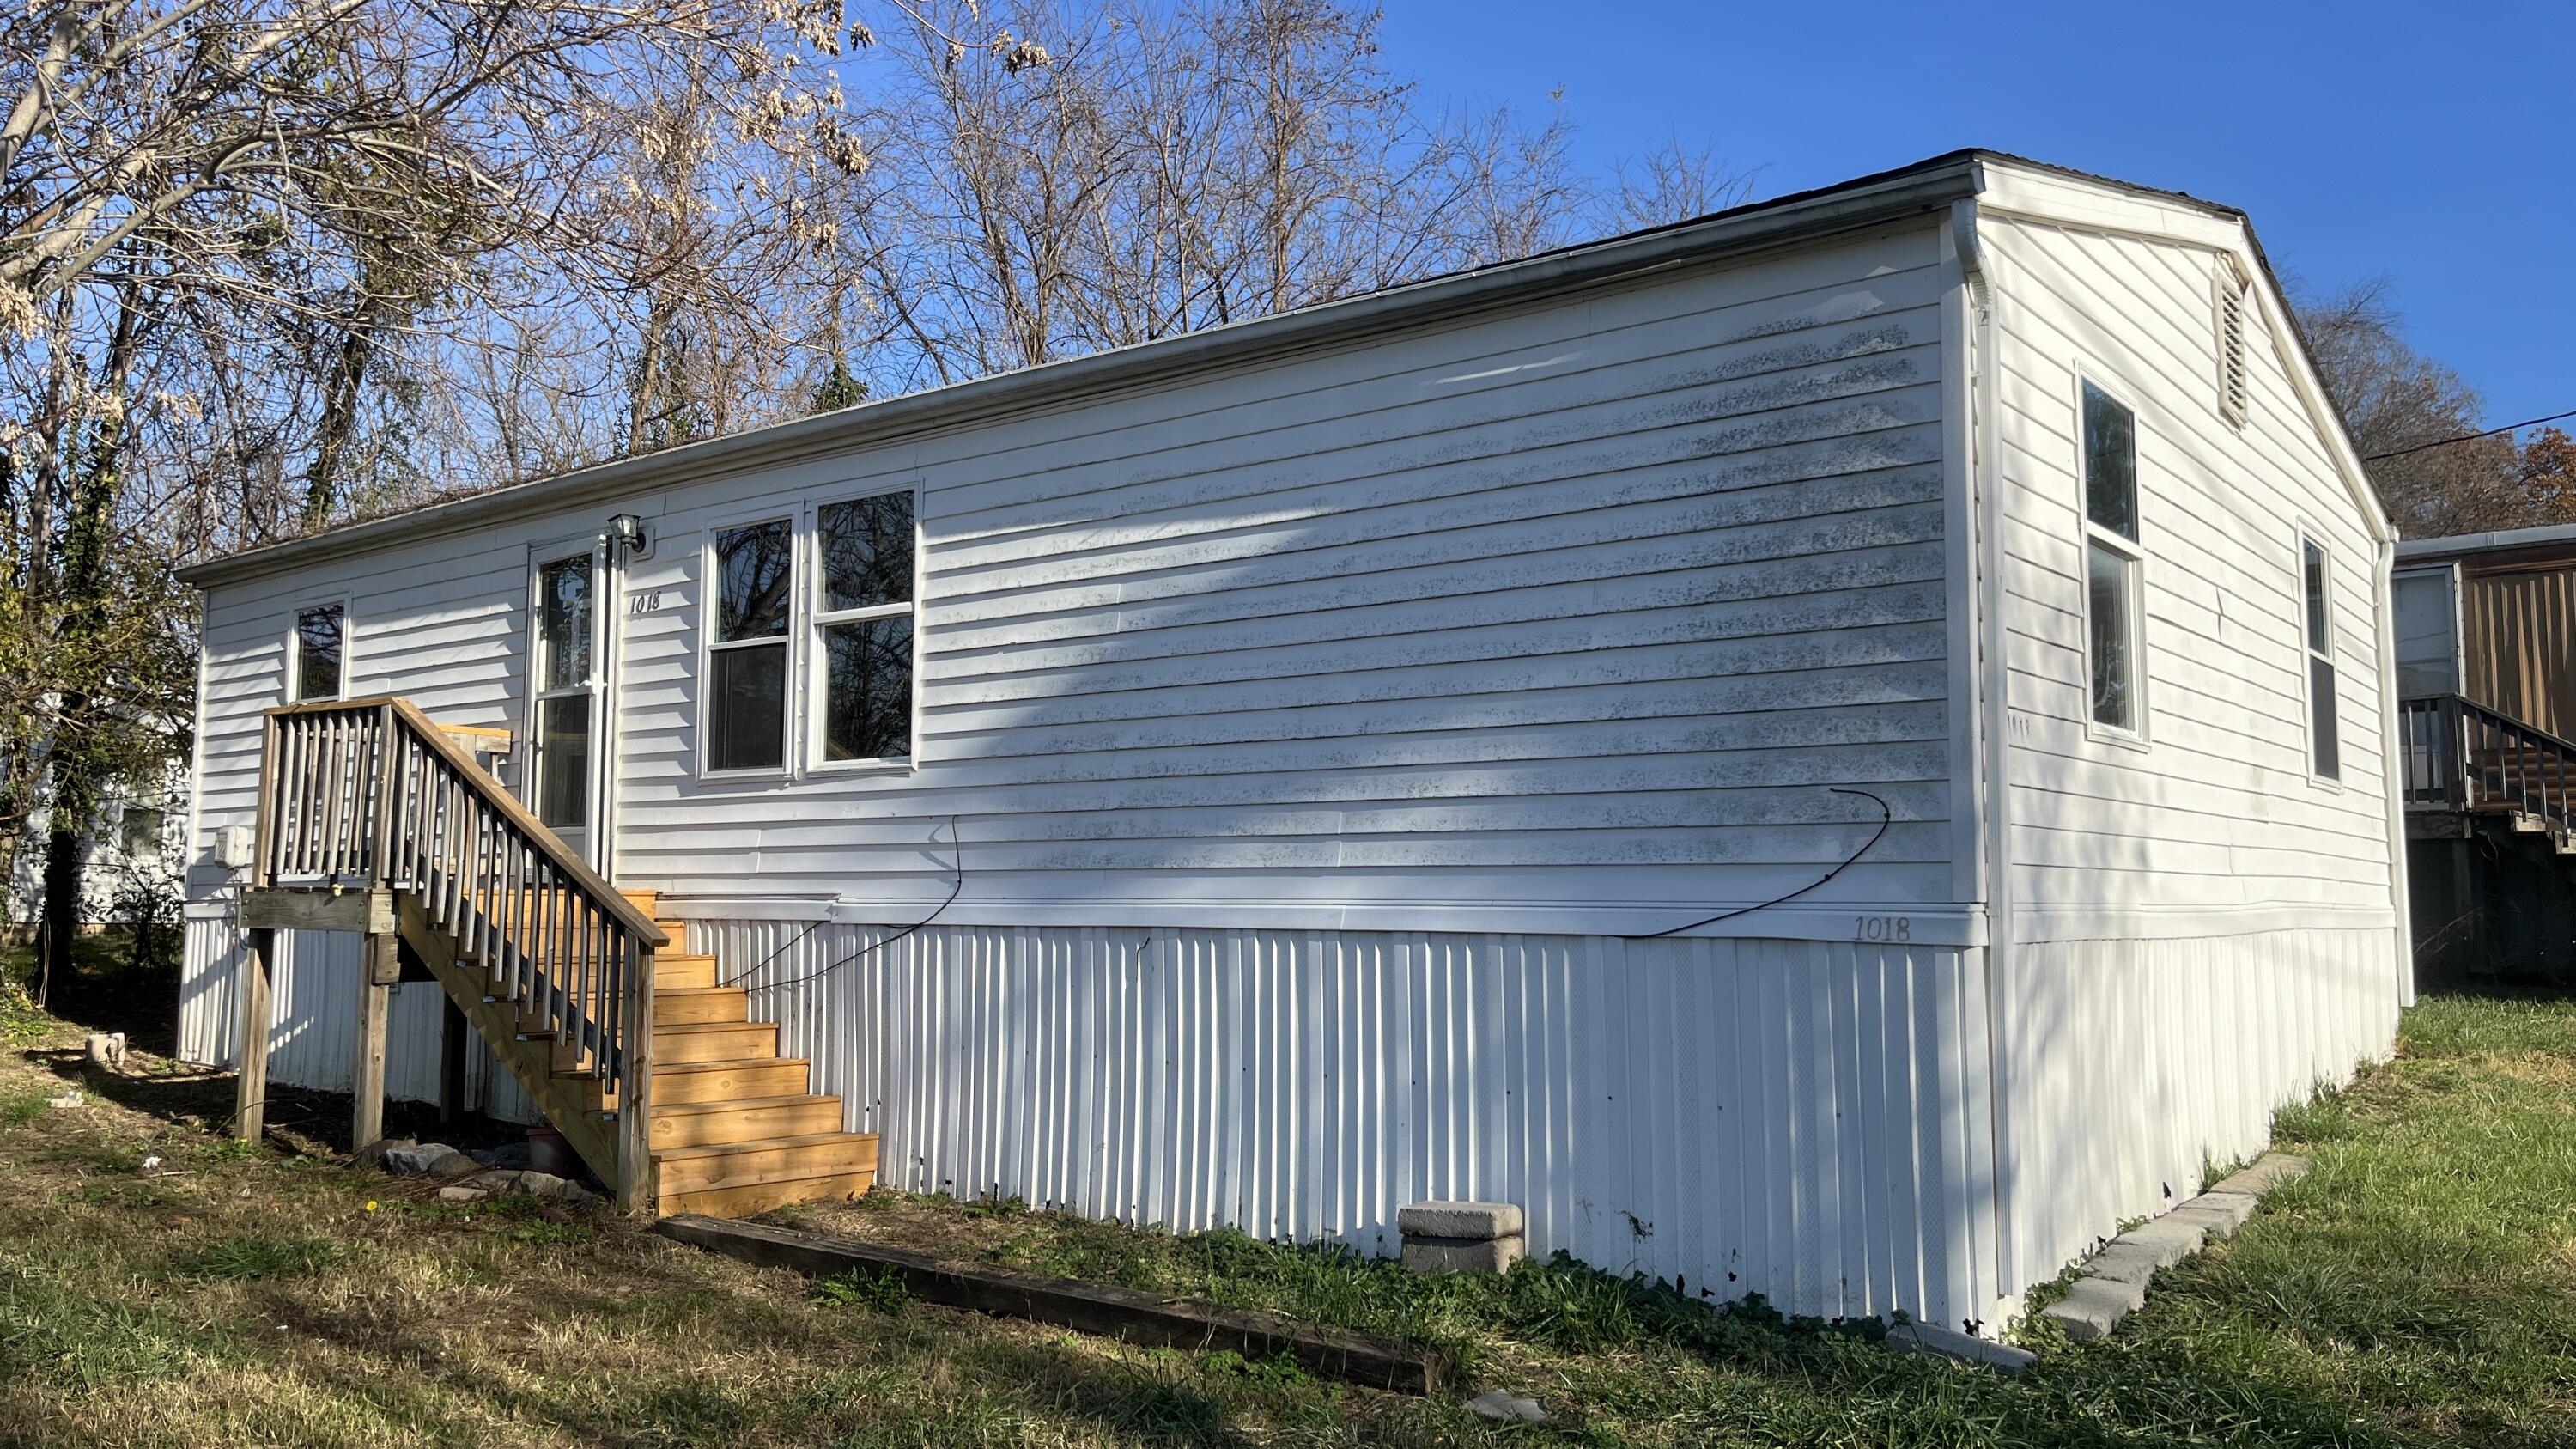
column 561, row 856
column 2458, row 754
column 433, row 737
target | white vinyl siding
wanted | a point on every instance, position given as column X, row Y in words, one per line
column 2219, row 816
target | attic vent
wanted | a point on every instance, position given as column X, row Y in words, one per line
column 2232, row 388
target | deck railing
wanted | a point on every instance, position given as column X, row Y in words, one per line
column 2457, row 754
column 371, row 794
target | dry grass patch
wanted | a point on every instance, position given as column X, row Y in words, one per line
column 2410, row 1291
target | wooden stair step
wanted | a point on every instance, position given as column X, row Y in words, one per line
column 742, row 1200
column 687, row 1005
column 714, row 1041
column 678, row 931
column 720, row 1165
column 680, row 971
column 681, row 1083
column 747, row 1119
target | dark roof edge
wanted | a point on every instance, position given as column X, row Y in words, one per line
column 1921, row 188
column 2461, row 545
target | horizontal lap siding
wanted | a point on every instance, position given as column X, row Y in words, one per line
column 1806, row 1120
column 2218, row 810
column 1582, row 603
column 2203, row 934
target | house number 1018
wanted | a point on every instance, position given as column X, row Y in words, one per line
column 1882, row 928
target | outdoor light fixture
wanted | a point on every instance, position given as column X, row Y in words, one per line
column 626, row 532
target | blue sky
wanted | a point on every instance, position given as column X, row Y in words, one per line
column 2435, row 144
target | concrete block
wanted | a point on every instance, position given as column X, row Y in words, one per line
column 2222, row 1212
column 2266, row 1173
column 2169, row 1238
column 1950, row 1343
column 2095, row 1306
column 1463, row 1255
column 1471, row 1220
column 2124, row 1263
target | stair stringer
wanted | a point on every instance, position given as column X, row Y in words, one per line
column 567, row 1101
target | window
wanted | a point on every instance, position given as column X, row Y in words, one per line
column 2232, row 388
column 2325, row 756
column 319, row 653
column 2428, row 647
column 139, row 832
column 2112, row 562
column 565, row 631
column 863, row 608
column 747, row 654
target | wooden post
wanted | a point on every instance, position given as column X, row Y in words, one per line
column 452, row 1032
column 379, row 968
column 250, row 1088
column 635, row 1189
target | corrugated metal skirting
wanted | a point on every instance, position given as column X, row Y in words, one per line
column 2139, row 1064
column 313, row 994
column 1801, row 1119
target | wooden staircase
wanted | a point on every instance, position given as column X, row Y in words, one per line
column 579, row 989
column 2463, row 766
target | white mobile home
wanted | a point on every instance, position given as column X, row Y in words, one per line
column 1838, row 750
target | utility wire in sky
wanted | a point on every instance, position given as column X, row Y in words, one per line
column 2471, row 437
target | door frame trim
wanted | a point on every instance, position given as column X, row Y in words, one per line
column 594, row 846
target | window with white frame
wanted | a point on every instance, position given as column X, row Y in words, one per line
column 862, row 622
column 2325, row 747
column 2113, row 562
column 746, row 679
column 320, row 653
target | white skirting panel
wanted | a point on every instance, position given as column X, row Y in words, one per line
column 1806, row 1120
column 2136, row 1064
column 313, row 995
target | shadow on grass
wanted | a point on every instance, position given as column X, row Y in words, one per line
column 298, row 1119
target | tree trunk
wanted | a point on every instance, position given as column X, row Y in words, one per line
column 61, row 923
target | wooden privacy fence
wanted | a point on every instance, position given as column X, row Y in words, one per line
column 371, row 794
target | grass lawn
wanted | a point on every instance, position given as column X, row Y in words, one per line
column 2414, row 1289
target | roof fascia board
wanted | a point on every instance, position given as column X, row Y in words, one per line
column 1926, row 189
column 2057, row 199
column 2461, row 545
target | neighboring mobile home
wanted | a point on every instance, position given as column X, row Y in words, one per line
column 1392, row 750
column 2486, row 679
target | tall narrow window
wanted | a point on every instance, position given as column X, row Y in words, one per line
column 2112, row 562
column 863, row 610
column 747, row 656
column 2325, row 750
column 565, row 629
column 320, row 650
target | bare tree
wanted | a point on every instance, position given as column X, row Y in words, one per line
column 1671, row 183
column 1175, row 166
column 2395, row 402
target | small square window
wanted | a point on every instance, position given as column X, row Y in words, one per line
column 139, row 832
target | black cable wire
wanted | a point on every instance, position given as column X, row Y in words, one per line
column 2471, row 437
column 956, row 885
column 1886, row 817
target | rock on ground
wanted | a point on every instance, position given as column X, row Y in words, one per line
column 1506, row 1408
